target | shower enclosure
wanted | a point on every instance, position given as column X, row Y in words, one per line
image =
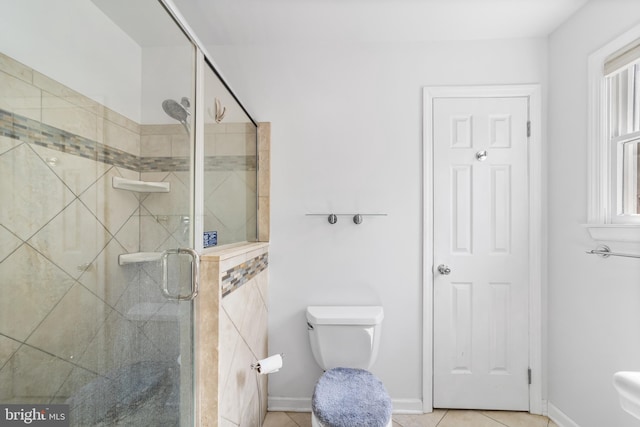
column 123, row 155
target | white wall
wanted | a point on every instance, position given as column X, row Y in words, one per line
column 594, row 304
column 347, row 137
column 74, row 43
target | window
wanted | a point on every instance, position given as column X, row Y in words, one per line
column 614, row 140
column 623, row 129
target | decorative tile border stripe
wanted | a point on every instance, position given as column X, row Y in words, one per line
column 32, row 131
column 211, row 163
column 217, row 163
column 164, row 164
column 237, row 276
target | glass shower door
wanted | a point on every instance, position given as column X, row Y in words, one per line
column 96, row 216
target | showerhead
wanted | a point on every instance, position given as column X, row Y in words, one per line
column 176, row 111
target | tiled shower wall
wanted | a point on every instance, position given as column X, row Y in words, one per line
column 63, row 321
column 233, row 335
column 73, row 313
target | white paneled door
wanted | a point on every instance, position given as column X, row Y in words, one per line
column 480, row 238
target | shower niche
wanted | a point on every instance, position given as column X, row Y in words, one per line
column 112, row 167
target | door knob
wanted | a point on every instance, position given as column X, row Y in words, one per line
column 443, row 269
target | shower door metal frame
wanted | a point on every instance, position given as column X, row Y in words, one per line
column 203, row 60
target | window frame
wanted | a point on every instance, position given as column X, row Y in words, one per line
column 603, row 223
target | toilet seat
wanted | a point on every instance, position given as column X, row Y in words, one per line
column 348, row 397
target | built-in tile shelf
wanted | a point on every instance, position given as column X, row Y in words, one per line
column 140, row 186
column 137, row 257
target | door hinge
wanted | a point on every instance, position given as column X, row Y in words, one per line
column 529, row 375
column 529, row 129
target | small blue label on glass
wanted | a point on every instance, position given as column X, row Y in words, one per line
column 210, row 238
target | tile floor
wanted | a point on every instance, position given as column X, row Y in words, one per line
column 438, row 418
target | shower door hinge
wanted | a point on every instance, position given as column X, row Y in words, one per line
column 529, row 375
column 529, row 129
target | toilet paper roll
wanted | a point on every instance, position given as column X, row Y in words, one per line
column 269, row 365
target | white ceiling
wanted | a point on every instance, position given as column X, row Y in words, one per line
column 326, row 21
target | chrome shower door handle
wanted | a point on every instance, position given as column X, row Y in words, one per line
column 444, row 270
column 195, row 273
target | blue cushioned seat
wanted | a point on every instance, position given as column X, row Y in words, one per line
column 348, row 397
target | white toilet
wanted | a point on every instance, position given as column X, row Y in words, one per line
column 344, row 342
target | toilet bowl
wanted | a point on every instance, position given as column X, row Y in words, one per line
column 344, row 341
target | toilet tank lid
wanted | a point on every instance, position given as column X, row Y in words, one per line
column 344, row 315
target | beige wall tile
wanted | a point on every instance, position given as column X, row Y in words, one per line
column 15, row 68
column 20, row 97
column 264, row 173
column 121, row 138
column 105, row 277
column 155, row 146
column 231, row 144
column 24, row 181
column 264, row 181
column 240, row 128
column 257, row 252
column 62, row 114
column 71, row 325
column 262, row 283
column 264, row 136
column 57, row 90
column 251, row 144
column 33, row 285
column 78, row 173
column 180, row 145
column 214, row 128
column 231, row 262
column 118, row 343
column 77, row 378
column 263, row 219
column 209, row 329
column 121, row 120
column 7, row 348
column 111, row 206
column 28, row 368
column 7, row 144
column 8, row 243
column 240, row 385
column 128, row 235
column 72, row 239
column 239, row 313
column 161, row 129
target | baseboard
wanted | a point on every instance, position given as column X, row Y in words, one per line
column 296, row 404
column 407, row 406
column 559, row 417
column 288, row 404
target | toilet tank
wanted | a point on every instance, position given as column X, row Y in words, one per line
column 344, row 336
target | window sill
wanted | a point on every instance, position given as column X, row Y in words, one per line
column 614, row 232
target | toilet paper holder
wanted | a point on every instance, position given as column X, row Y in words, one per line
column 268, row 365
